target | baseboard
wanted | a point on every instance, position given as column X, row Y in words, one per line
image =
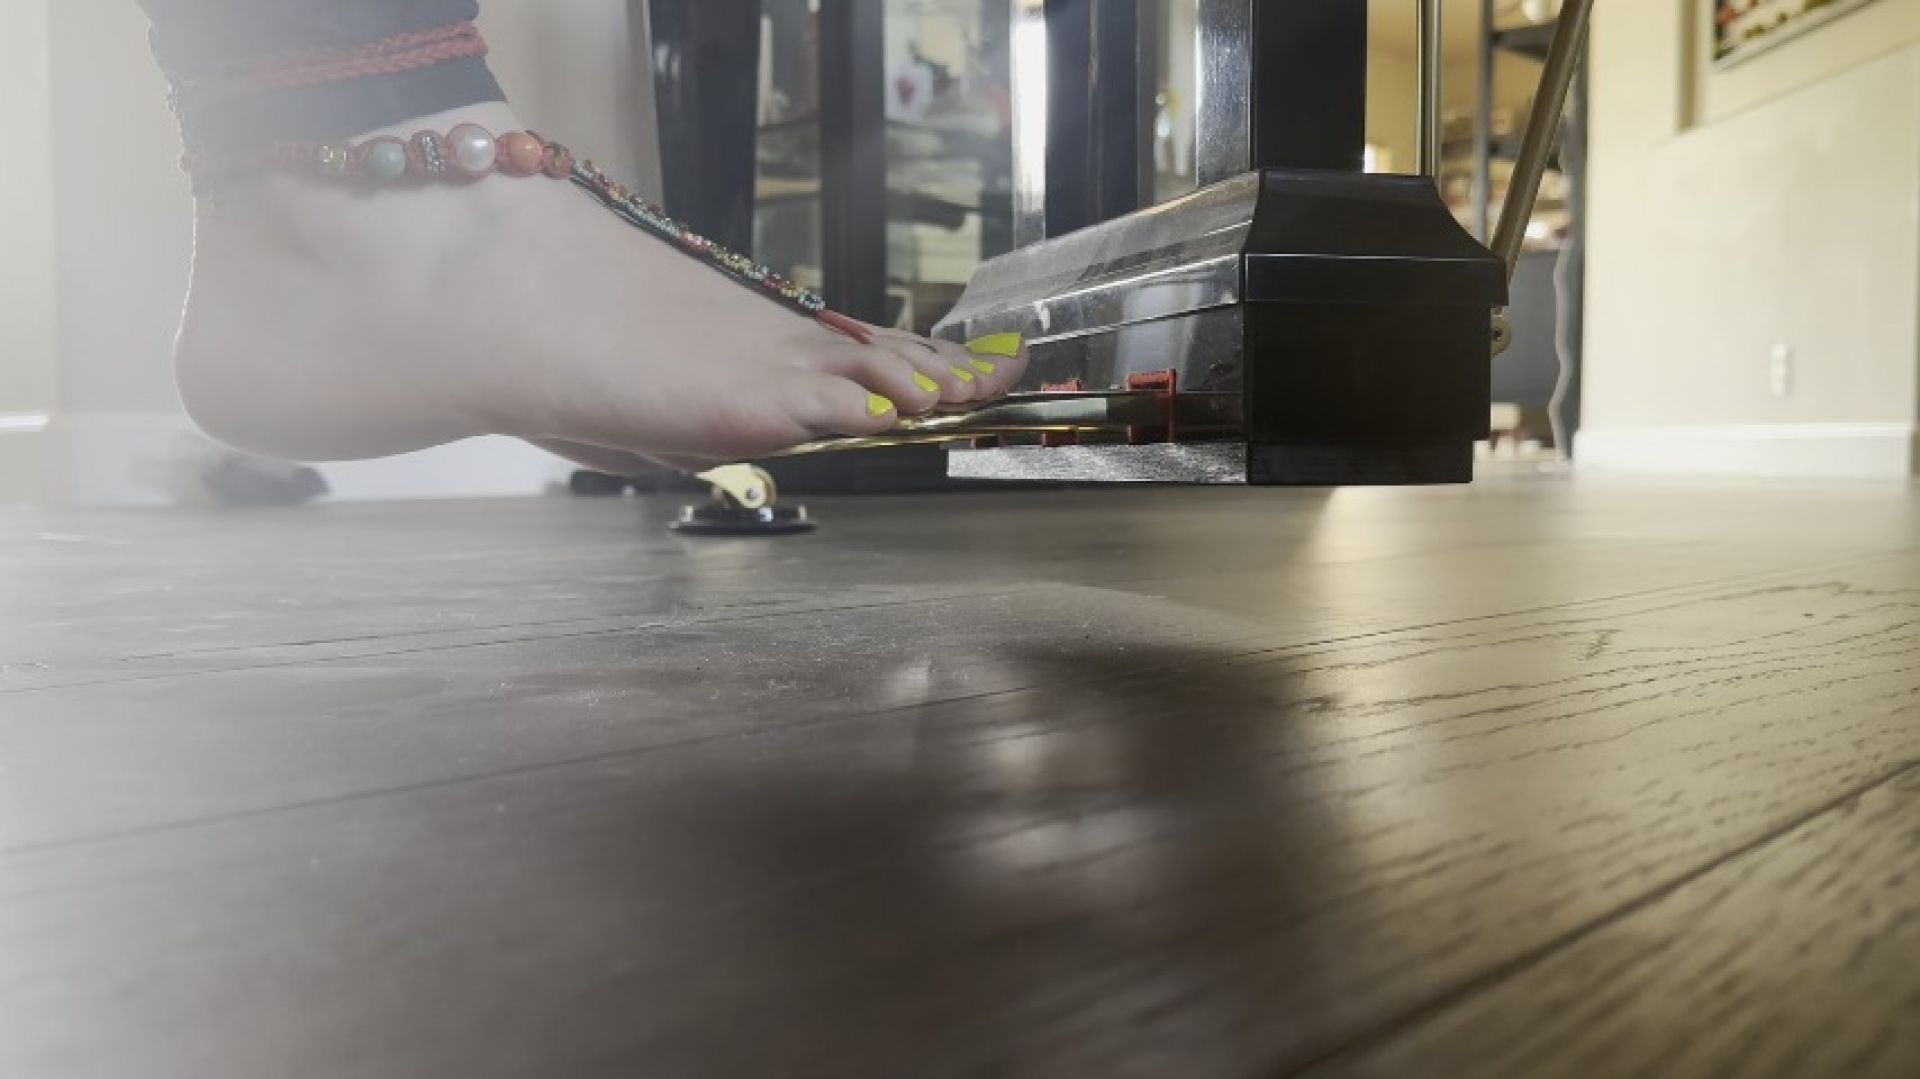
column 1799, row 450
column 152, row 459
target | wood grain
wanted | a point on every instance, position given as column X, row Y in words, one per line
column 1794, row 957
column 958, row 793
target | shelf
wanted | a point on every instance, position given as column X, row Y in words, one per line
column 1506, row 148
column 906, row 205
column 1528, row 41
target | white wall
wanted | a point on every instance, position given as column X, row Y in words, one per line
column 27, row 322
column 99, row 249
column 1773, row 204
column 123, row 211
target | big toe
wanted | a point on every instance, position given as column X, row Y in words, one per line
column 999, row 362
column 832, row 405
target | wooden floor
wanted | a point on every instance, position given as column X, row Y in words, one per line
column 1538, row 777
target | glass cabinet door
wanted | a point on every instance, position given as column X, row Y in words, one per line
column 786, row 197
column 931, row 150
column 948, row 150
column 1171, row 47
column 947, row 147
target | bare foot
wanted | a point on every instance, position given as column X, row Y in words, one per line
column 328, row 323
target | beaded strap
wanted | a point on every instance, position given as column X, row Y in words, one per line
column 469, row 152
column 652, row 219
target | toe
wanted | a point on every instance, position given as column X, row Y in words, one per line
column 885, row 369
column 1000, row 362
column 942, row 363
column 832, row 405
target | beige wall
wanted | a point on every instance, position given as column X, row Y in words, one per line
column 1774, row 204
column 574, row 75
column 1393, row 83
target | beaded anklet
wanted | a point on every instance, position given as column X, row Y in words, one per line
column 470, row 152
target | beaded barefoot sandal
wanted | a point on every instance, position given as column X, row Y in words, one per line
column 470, row 152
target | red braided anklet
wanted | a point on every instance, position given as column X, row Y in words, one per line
column 390, row 56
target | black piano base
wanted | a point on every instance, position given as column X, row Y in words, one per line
column 1359, row 466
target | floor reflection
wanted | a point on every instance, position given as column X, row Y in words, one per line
column 1019, row 863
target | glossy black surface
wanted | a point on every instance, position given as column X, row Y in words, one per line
column 1099, row 113
column 705, row 56
column 1365, row 393
column 1309, row 93
column 1345, row 238
column 853, row 157
column 1533, row 777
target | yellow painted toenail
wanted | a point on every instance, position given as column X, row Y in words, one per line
column 985, row 367
column 963, row 374
column 878, row 405
column 925, row 383
column 998, row 344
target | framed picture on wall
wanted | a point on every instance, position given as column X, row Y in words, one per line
column 1743, row 28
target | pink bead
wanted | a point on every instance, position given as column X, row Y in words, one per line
column 521, row 154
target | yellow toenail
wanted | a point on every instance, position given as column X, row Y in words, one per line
column 985, row 367
column 878, row 405
column 998, row 344
column 963, row 374
column 925, row 383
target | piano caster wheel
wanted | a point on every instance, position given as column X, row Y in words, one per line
column 743, row 505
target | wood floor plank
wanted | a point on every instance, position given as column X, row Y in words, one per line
column 1065, row 830
column 377, row 716
column 100, row 593
column 1794, row 958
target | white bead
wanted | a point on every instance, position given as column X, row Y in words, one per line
column 386, row 161
column 473, row 149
